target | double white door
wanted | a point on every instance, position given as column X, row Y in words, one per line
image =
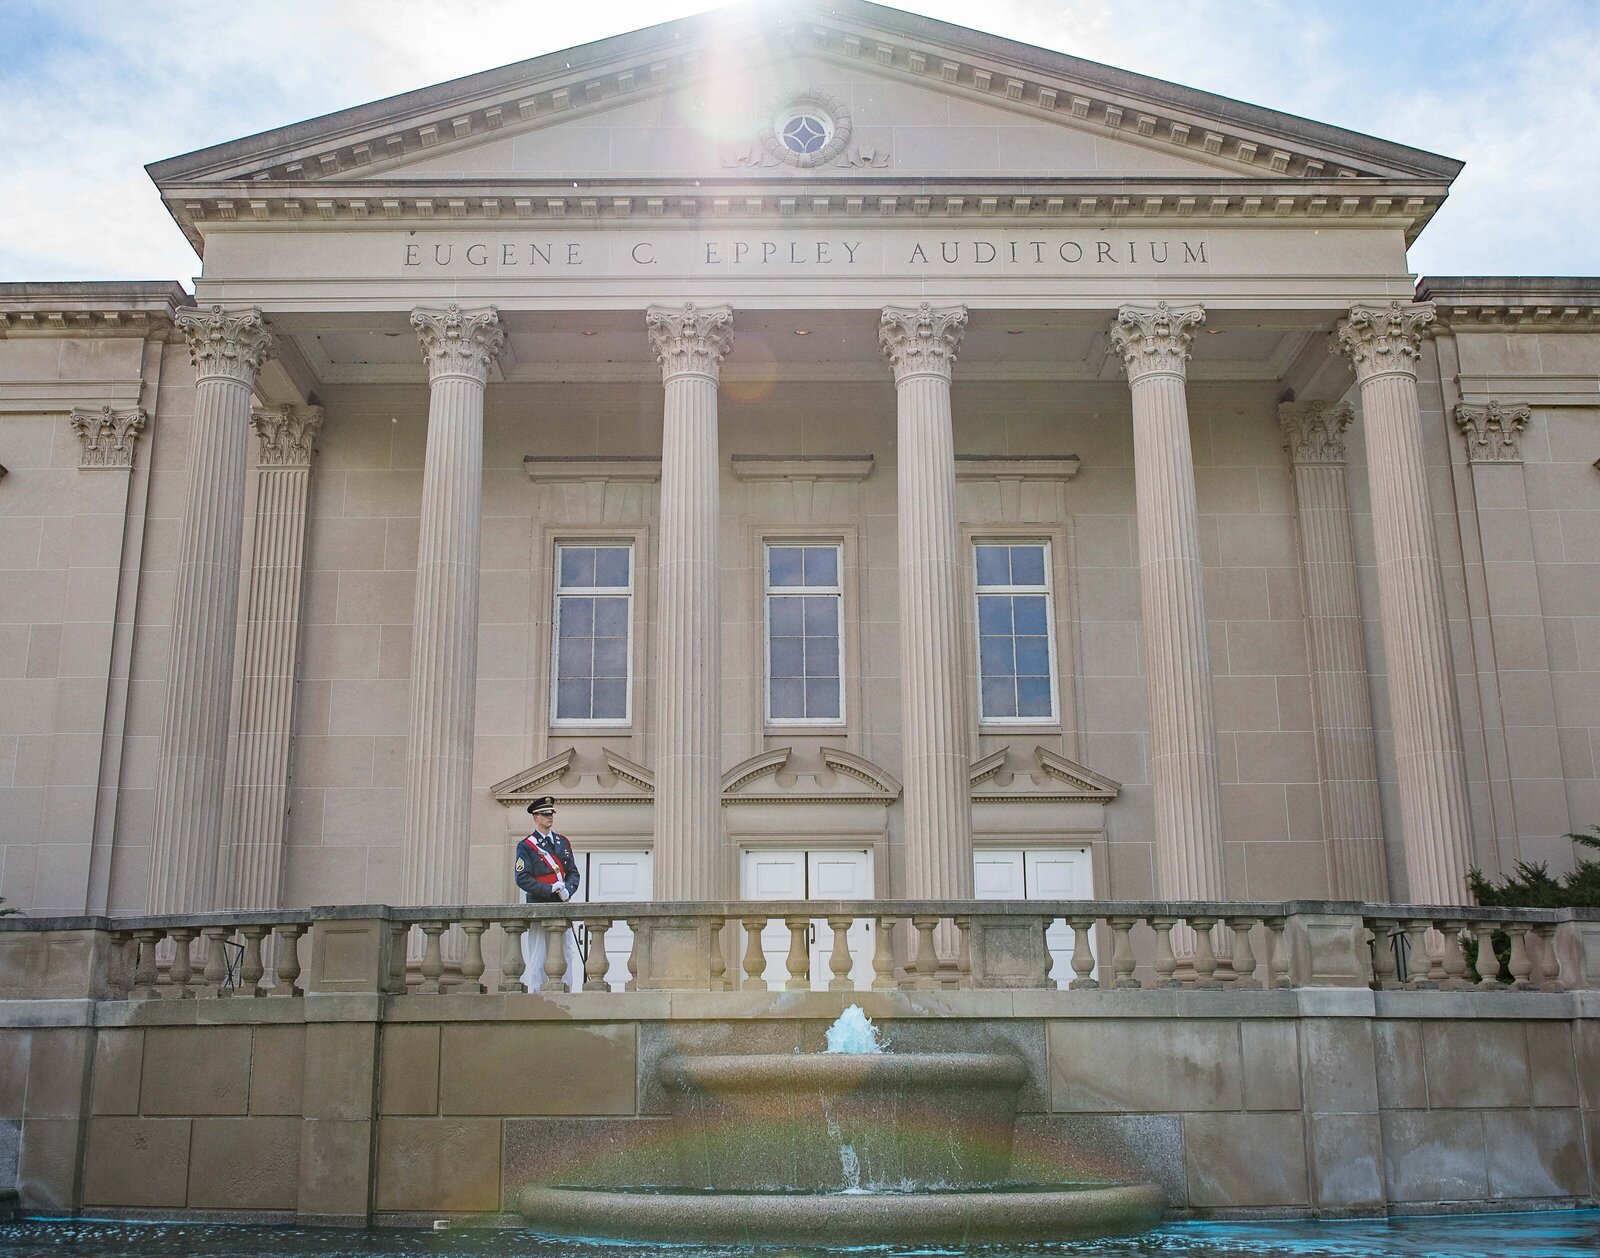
column 799, row 874
column 1038, row 874
column 614, row 877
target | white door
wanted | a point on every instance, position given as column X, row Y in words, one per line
column 615, row 877
column 798, row 874
column 1038, row 874
column 772, row 874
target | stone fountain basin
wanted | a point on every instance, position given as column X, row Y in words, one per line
column 830, row 1122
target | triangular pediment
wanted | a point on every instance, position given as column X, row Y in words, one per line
column 1052, row 778
column 687, row 101
column 615, row 780
column 829, row 776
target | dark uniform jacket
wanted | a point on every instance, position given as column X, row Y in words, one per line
column 534, row 875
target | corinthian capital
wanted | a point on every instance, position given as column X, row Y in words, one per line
column 286, row 434
column 1379, row 340
column 1314, row 431
column 457, row 342
column 1155, row 340
column 1492, row 431
column 690, row 339
column 230, row 344
column 921, row 340
column 108, row 435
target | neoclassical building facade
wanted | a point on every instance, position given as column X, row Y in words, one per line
column 835, row 453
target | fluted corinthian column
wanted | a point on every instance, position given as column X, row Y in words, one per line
column 1351, row 813
column 228, row 348
column 690, row 342
column 458, row 346
column 1153, row 343
column 251, row 876
column 1384, row 342
column 935, row 718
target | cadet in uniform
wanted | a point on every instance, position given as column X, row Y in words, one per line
column 547, row 873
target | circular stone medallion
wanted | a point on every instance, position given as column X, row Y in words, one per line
column 808, row 128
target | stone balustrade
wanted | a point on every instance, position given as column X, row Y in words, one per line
column 724, row 947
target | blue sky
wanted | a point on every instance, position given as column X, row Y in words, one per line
column 90, row 90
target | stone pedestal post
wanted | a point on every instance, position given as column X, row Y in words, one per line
column 458, row 347
column 1383, row 343
column 1153, row 343
column 935, row 705
column 228, row 348
column 690, row 342
column 1346, row 755
column 252, row 867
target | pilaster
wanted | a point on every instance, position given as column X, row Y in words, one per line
column 1383, row 343
column 690, row 343
column 227, row 348
column 1346, row 754
column 921, row 344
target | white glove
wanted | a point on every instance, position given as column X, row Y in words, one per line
column 561, row 890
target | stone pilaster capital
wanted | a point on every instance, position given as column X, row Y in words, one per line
column 1384, row 340
column 286, row 434
column 231, row 344
column 1491, row 431
column 1155, row 340
column 108, row 435
column 921, row 340
column 1314, row 431
column 457, row 342
column 689, row 339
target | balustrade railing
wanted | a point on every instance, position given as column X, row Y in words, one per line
column 876, row 945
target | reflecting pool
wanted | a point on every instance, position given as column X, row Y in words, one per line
column 1552, row 1234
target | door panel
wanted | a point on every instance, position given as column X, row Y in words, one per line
column 1038, row 874
column 615, row 877
column 841, row 875
column 997, row 874
column 772, row 874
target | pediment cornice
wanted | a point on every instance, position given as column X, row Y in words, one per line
column 1053, row 779
column 844, row 778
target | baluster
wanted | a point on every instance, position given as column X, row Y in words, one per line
column 719, row 963
column 839, row 960
column 182, row 963
column 925, row 977
column 1419, row 976
column 883, row 954
column 251, row 970
column 799, row 958
column 1166, row 962
column 1244, row 958
column 755, row 955
column 146, row 975
column 432, row 959
column 632, row 984
column 963, row 951
column 1488, row 962
column 1549, row 963
column 288, row 942
column 555, row 955
column 1521, row 964
column 1205, row 958
column 597, row 963
column 1384, row 974
column 472, row 966
column 214, row 977
column 511, row 961
column 1277, row 959
column 1452, row 958
column 1082, row 958
column 399, row 937
column 1122, row 959
column 119, row 975
column 1435, row 941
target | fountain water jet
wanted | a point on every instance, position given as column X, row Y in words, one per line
column 857, row 1145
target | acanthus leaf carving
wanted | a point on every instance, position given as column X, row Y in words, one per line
column 108, row 435
column 690, row 339
column 923, row 339
column 1491, row 431
column 287, row 434
column 230, row 344
column 457, row 342
column 1314, row 431
column 1380, row 340
column 1155, row 340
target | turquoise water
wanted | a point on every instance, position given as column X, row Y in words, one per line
column 1555, row 1234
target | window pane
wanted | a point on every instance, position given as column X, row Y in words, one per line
column 822, row 615
column 788, row 698
column 577, row 565
column 572, row 701
column 995, row 657
column 787, row 657
column 611, row 566
column 994, row 565
column 1033, row 657
column 610, row 699
column 1033, row 696
column 822, row 699
column 611, row 617
column 822, row 565
column 994, row 613
column 611, row 657
column 999, row 697
column 785, row 615
column 785, row 565
column 1027, row 565
column 577, row 658
column 822, row 657
column 1030, row 613
column 577, row 617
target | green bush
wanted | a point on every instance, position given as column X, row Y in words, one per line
column 1532, row 887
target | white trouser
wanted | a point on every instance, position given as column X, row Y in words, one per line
column 534, row 950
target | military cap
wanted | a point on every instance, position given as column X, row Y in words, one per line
column 545, row 803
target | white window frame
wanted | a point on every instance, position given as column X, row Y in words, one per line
column 558, row 591
column 768, row 590
column 1048, row 590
